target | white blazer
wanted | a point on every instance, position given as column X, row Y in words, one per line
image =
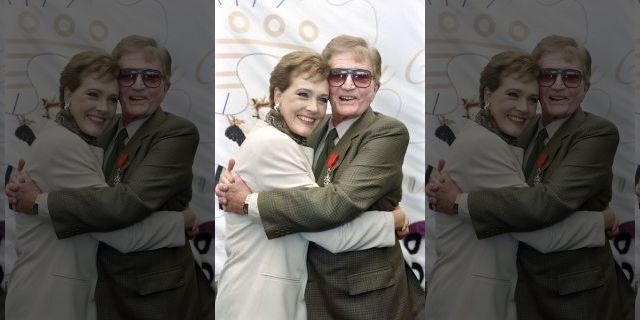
column 475, row 279
column 266, row 279
column 55, row 279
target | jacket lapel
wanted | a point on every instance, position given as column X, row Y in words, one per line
column 139, row 138
column 553, row 147
column 352, row 133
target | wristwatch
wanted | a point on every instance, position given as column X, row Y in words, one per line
column 245, row 206
column 34, row 209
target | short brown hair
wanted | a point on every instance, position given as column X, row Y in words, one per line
column 149, row 46
column 570, row 49
column 87, row 63
column 506, row 63
column 360, row 47
column 293, row 64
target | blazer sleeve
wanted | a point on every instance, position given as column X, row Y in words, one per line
column 370, row 230
column 266, row 168
column 162, row 229
column 370, row 176
column 581, row 229
column 583, row 172
column 162, row 173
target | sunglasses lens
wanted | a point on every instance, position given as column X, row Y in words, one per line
column 337, row 78
column 126, row 78
column 571, row 78
column 361, row 79
column 152, row 79
column 546, row 78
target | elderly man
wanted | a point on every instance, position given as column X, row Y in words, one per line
column 570, row 154
column 149, row 154
column 365, row 175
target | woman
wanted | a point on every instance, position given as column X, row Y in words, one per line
column 55, row 279
column 266, row 279
column 475, row 279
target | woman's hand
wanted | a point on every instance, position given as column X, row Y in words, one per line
column 401, row 222
column 190, row 223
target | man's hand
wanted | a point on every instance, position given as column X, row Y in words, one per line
column 25, row 195
column 446, row 195
column 435, row 180
column 223, row 185
column 401, row 222
column 237, row 192
column 190, row 223
column 16, row 178
column 611, row 223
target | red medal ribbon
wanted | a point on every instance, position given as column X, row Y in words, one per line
column 122, row 159
column 331, row 161
column 542, row 159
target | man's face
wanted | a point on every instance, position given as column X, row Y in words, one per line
column 559, row 101
column 139, row 100
column 348, row 100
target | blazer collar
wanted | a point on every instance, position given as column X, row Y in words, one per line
column 553, row 146
column 356, row 129
column 134, row 143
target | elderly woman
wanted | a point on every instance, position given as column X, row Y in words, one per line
column 266, row 279
column 475, row 279
column 56, row 279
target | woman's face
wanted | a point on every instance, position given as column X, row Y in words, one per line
column 514, row 103
column 304, row 103
column 93, row 104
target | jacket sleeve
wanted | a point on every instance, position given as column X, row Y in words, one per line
column 162, row 229
column 580, row 230
column 374, row 172
column 370, row 230
column 580, row 172
column 162, row 172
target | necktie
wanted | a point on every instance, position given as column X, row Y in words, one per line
column 118, row 146
column 324, row 154
column 537, row 149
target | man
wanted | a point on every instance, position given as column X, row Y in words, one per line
column 570, row 155
column 362, row 172
column 148, row 166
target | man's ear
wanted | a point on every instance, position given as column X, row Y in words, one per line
column 376, row 86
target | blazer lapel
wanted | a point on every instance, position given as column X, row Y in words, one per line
column 138, row 139
column 559, row 137
column 352, row 133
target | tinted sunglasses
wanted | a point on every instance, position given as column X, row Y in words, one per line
column 570, row 77
column 361, row 78
column 150, row 77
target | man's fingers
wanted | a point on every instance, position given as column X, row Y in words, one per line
column 440, row 165
column 232, row 163
column 21, row 164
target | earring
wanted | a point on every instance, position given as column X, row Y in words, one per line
column 277, row 107
column 66, row 107
column 486, row 107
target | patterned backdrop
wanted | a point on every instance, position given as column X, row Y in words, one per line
column 251, row 36
column 463, row 35
column 38, row 38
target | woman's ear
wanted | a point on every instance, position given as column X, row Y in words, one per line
column 277, row 94
column 487, row 95
column 66, row 97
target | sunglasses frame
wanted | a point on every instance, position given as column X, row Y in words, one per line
column 353, row 73
column 564, row 73
column 140, row 73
